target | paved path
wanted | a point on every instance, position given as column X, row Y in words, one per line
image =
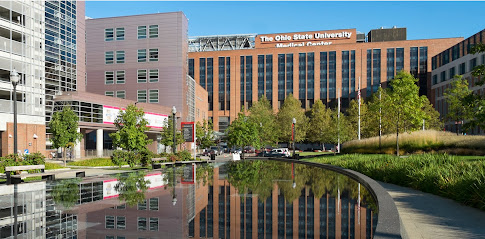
column 424, row 215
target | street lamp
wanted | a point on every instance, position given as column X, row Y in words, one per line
column 174, row 111
column 174, row 196
column 14, row 78
column 293, row 136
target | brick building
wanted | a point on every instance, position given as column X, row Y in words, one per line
column 237, row 70
column 456, row 60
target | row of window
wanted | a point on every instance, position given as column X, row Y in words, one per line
column 118, row 34
column 141, row 95
column 119, row 222
column 109, row 56
column 143, row 76
column 462, row 69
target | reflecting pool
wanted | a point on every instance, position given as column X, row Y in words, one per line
column 248, row 199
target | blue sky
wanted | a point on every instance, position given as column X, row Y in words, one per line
column 423, row 19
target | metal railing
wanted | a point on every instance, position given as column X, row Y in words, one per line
column 92, row 153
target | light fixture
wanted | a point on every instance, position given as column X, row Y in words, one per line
column 9, row 135
column 174, row 110
column 35, row 136
column 14, row 77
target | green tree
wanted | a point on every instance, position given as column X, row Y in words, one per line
column 405, row 104
column 290, row 109
column 66, row 192
column 167, row 134
column 431, row 116
column 340, row 128
column 475, row 102
column 205, row 134
column 64, row 126
column 319, row 124
column 131, row 127
column 455, row 97
column 243, row 132
column 262, row 114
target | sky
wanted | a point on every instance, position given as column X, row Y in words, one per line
column 423, row 20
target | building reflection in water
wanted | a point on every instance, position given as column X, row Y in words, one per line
column 245, row 200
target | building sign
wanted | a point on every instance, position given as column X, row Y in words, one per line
column 188, row 130
column 154, row 120
column 155, row 180
column 320, row 38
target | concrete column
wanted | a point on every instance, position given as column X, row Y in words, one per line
column 99, row 142
column 77, row 146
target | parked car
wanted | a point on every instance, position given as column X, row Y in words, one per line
column 283, row 151
column 236, row 150
column 216, row 150
column 271, row 154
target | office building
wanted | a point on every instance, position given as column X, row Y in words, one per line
column 236, row 70
column 22, row 49
column 456, row 60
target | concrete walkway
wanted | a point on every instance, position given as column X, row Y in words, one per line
column 424, row 215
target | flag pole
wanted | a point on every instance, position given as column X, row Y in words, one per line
column 358, row 97
column 338, row 126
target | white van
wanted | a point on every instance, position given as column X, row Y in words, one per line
column 284, row 151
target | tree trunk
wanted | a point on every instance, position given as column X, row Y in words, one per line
column 64, row 155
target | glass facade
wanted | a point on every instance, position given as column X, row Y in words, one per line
column 413, row 61
column 332, row 76
column 246, row 81
column 345, row 74
column 210, row 83
column 281, row 77
column 302, row 78
column 191, row 68
column 269, row 77
column 390, row 63
column 60, row 50
column 289, row 74
column 323, row 75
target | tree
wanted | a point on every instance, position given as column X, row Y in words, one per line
column 290, row 109
column 405, row 103
column 431, row 116
column 167, row 134
column 262, row 115
column 204, row 134
column 243, row 132
column 131, row 127
column 455, row 97
column 476, row 102
column 132, row 187
column 319, row 123
column 340, row 128
column 64, row 126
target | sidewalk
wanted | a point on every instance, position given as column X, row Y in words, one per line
column 424, row 215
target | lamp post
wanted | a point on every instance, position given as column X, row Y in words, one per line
column 174, row 196
column 294, row 136
column 14, row 78
column 174, row 111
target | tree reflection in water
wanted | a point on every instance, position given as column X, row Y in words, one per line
column 132, row 187
column 66, row 192
column 258, row 177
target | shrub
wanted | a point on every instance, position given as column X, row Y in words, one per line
column 146, row 157
column 15, row 160
column 118, row 158
column 184, row 155
column 34, row 159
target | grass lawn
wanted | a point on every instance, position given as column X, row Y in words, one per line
column 94, row 162
column 461, row 178
column 49, row 166
column 312, row 153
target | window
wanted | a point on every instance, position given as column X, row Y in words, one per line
column 142, row 205
column 120, row 223
column 142, row 32
column 142, row 224
column 109, row 78
column 153, row 54
column 109, row 222
column 153, row 224
column 120, row 56
column 108, row 34
column 142, row 55
column 462, row 68
column 109, row 57
column 153, row 204
column 120, row 94
column 121, row 207
column 443, row 76
column 452, row 72
column 141, row 97
column 142, row 76
column 109, row 93
column 154, row 75
column 435, row 79
column 153, row 31
column 153, row 94
column 120, row 77
column 120, row 34
column 473, row 63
